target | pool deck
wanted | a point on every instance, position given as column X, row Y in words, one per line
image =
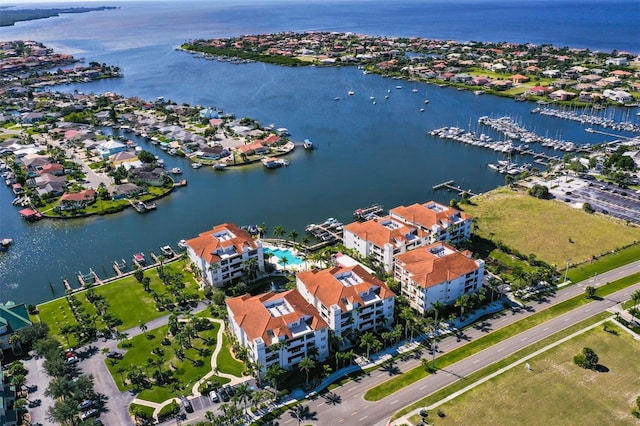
column 302, row 266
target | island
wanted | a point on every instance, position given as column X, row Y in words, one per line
column 523, row 71
column 10, row 16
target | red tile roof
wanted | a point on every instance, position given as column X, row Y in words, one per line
column 422, row 215
column 250, row 313
column 428, row 269
column 206, row 244
column 324, row 286
column 379, row 235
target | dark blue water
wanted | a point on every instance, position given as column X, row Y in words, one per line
column 366, row 153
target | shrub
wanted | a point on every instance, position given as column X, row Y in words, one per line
column 586, row 359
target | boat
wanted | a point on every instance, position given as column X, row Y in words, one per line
column 415, row 90
column 308, row 144
column 368, row 213
column 337, row 98
column 283, row 131
column 196, row 165
column 5, row 243
column 371, row 98
column 478, row 92
column 253, row 229
column 421, row 109
column 167, row 251
column 219, row 166
column 139, row 259
column 182, row 244
column 351, row 93
column 172, row 151
column 176, row 171
column 398, row 87
column 426, row 101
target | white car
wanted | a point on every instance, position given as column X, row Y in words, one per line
column 214, row 396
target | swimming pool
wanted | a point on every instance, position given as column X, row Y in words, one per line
column 279, row 253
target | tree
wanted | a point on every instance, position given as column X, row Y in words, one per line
column 293, row 234
column 306, row 365
column 462, row 302
column 274, row 374
column 586, row 359
column 283, row 261
column 278, row 231
column 366, row 341
column 539, row 191
column 243, row 395
column 143, row 327
column 588, row 208
column 146, row 157
column 590, row 292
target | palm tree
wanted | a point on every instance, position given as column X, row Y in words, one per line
column 409, row 319
column 262, row 230
column 463, row 303
column 210, row 416
column 278, row 231
column 366, row 340
column 274, row 374
column 143, row 327
column 293, row 234
column 283, row 261
column 306, row 365
column 243, row 395
column 635, row 297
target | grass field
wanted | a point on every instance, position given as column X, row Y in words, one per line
column 557, row 391
column 126, row 297
column 551, row 230
column 195, row 365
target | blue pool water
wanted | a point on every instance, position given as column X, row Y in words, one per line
column 293, row 260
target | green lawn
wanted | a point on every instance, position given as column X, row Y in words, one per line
column 526, row 223
column 557, row 391
column 56, row 314
column 226, row 362
column 126, row 297
column 385, row 389
column 195, row 365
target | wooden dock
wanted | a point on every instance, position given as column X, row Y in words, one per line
column 449, row 186
column 67, row 286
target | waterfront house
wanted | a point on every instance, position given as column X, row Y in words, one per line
column 437, row 273
column 144, row 176
column 12, row 318
column 221, row 253
column 278, row 328
column 109, row 148
column 48, row 183
column 349, row 299
column 214, row 152
column 77, row 200
column 562, row 95
column 125, row 190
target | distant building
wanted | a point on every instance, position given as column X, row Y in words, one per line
column 220, row 253
column 8, row 417
column 278, row 328
column 437, row 273
column 349, row 299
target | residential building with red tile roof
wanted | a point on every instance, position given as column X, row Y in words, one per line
column 383, row 238
column 437, row 273
column 405, row 229
column 348, row 299
column 278, row 328
column 220, row 253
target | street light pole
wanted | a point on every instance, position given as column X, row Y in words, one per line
column 566, row 271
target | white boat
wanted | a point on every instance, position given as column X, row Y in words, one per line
column 172, row 151
column 421, row 109
column 426, row 101
column 176, row 170
column 182, row 244
column 283, row 131
column 351, row 93
column 371, row 97
column 308, row 144
column 337, row 98
column 415, row 90
column 478, row 92
column 196, row 165
column 219, row 166
column 398, row 87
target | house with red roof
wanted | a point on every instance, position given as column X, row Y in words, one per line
column 77, row 200
column 278, row 328
column 349, row 299
column 437, row 273
column 221, row 253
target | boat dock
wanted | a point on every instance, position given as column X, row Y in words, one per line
column 67, row 286
column 329, row 232
column 182, row 182
column 120, row 267
column 142, row 207
column 368, row 213
column 448, row 185
column 85, row 279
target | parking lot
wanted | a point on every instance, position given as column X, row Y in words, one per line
column 604, row 197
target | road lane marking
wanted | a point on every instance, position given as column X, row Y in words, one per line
column 476, row 361
column 362, row 418
column 393, row 402
column 423, row 387
column 588, row 310
column 501, row 349
column 523, row 339
column 341, row 420
column 546, row 329
column 567, row 319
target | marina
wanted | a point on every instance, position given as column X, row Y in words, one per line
column 368, row 213
column 329, row 231
column 591, row 119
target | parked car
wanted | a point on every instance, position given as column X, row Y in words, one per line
column 89, row 413
column 72, row 360
column 213, row 396
column 115, row 355
column 186, row 404
column 87, row 403
column 229, row 389
column 223, row 395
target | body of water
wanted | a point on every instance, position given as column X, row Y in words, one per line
column 365, row 153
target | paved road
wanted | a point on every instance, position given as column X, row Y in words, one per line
column 353, row 409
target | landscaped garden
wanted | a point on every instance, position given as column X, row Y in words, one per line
column 120, row 305
column 556, row 390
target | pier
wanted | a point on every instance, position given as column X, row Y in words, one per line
column 67, row 286
column 448, row 185
column 368, row 213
